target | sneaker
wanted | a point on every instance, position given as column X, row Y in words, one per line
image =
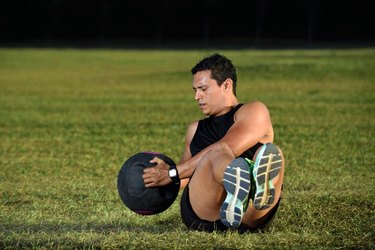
column 266, row 167
column 237, row 185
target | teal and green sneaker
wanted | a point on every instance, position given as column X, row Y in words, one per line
column 236, row 183
column 267, row 165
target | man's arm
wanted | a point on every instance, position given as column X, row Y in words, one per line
column 158, row 175
column 252, row 125
column 187, row 154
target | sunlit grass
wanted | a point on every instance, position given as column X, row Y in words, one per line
column 70, row 118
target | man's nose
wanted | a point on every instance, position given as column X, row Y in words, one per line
column 197, row 95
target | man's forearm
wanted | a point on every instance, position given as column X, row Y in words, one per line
column 186, row 168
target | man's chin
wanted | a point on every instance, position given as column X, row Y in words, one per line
column 205, row 112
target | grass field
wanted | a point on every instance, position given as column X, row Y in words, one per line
column 70, row 118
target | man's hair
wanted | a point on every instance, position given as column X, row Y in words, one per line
column 221, row 69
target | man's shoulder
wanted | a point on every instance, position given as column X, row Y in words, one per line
column 192, row 128
column 252, row 108
column 193, row 125
column 254, row 105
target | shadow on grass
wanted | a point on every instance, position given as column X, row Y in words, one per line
column 156, row 226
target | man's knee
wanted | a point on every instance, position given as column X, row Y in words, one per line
column 219, row 154
column 218, row 158
column 221, row 150
column 214, row 161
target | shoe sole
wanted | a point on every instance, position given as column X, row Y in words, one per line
column 237, row 185
column 266, row 167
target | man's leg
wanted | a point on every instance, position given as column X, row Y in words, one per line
column 237, row 184
column 256, row 216
column 207, row 192
column 206, row 189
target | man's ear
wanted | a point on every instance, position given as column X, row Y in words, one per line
column 228, row 85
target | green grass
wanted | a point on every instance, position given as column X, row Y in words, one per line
column 70, row 118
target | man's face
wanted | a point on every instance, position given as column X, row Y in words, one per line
column 208, row 94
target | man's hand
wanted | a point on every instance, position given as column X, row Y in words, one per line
column 158, row 175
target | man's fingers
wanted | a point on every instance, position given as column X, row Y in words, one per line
column 149, row 185
column 156, row 176
column 151, row 171
column 146, row 170
column 147, row 181
column 151, row 176
column 155, row 160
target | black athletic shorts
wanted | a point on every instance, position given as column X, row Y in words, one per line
column 192, row 221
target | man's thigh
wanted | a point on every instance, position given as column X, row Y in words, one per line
column 206, row 189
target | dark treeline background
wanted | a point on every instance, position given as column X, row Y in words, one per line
column 206, row 21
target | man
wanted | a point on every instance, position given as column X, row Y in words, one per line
column 233, row 172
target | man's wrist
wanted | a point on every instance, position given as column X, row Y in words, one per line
column 173, row 174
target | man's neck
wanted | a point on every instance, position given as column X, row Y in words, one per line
column 225, row 109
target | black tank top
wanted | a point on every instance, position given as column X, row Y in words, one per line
column 212, row 129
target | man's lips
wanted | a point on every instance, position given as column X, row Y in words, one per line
column 201, row 105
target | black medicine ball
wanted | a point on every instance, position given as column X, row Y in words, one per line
column 132, row 190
